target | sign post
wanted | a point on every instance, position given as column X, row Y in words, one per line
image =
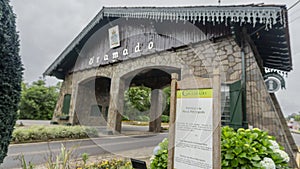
column 194, row 134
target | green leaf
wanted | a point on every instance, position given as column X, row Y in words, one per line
column 237, row 150
column 243, row 155
column 234, row 163
column 229, row 156
column 256, row 158
column 256, row 164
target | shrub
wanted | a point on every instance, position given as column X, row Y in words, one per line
column 242, row 149
column 125, row 118
column 164, row 119
column 10, row 75
column 142, row 118
column 160, row 159
column 45, row 133
column 251, row 149
column 105, row 164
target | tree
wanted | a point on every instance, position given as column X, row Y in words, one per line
column 167, row 92
column 137, row 102
column 38, row 101
column 11, row 72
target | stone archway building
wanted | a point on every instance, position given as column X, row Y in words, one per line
column 122, row 45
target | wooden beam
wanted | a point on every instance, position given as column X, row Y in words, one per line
column 216, row 119
column 171, row 145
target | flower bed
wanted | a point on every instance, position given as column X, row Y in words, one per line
column 111, row 164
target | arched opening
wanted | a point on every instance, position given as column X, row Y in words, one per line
column 92, row 102
column 146, row 95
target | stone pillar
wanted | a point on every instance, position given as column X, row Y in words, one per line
column 116, row 103
column 156, row 110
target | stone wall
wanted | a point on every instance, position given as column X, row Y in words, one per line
column 66, row 88
column 92, row 93
column 261, row 111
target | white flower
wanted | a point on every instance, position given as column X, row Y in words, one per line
column 156, row 149
column 274, row 145
column 268, row 163
column 283, row 155
column 152, row 158
column 165, row 139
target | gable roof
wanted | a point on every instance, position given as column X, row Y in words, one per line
column 270, row 25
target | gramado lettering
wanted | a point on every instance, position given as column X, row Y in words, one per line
column 122, row 54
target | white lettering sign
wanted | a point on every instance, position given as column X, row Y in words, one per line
column 137, row 48
column 125, row 52
column 105, row 57
column 150, row 45
column 91, row 61
column 116, row 55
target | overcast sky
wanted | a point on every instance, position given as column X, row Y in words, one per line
column 47, row 26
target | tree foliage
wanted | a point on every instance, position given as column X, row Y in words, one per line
column 38, row 101
column 138, row 97
column 167, row 92
column 138, row 101
column 10, row 75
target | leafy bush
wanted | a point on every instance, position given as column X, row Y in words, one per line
column 251, row 149
column 10, row 75
column 167, row 93
column 137, row 98
column 45, row 133
column 164, row 119
column 125, row 118
column 111, row 164
column 245, row 149
column 160, row 159
column 142, row 118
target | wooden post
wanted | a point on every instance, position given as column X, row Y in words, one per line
column 172, row 121
column 216, row 119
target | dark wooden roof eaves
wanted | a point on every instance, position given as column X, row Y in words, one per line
column 274, row 46
column 277, row 36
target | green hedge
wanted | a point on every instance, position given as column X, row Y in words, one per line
column 10, row 75
column 46, row 133
column 165, row 118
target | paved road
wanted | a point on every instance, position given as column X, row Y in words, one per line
column 296, row 138
column 33, row 122
column 38, row 153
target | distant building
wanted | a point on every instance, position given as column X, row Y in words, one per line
column 293, row 125
column 134, row 46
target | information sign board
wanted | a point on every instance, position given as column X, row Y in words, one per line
column 194, row 129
